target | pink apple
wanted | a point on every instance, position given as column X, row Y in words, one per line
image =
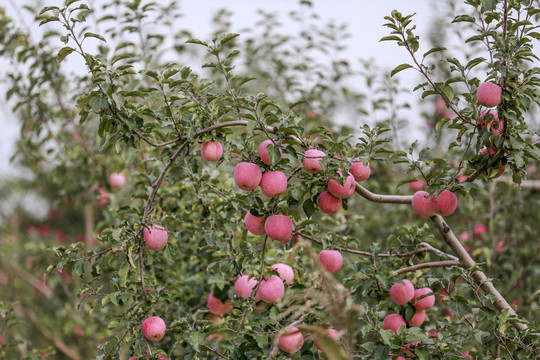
column 489, row 94
column 263, row 151
column 273, row 183
column 402, row 293
column 214, row 336
column 442, row 109
column 254, row 224
column 467, row 355
column 271, row 290
column 494, row 125
column 334, row 334
column 278, row 227
column 342, row 191
column 328, row 203
column 247, row 176
column 103, row 197
column 292, row 341
column 417, row 186
column 418, row 317
column 211, row 150
column 480, row 230
column 359, row 171
column 445, row 204
column 244, row 286
column 117, row 180
column 464, row 236
column 462, row 178
column 500, row 247
column 154, row 328
column 311, row 161
column 426, row 302
column 155, row 237
column 421, row 203
column 285, row 272
column 331, row 260
column 393, row 322
column 216, row 306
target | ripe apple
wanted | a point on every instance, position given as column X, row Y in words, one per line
column 278, row 227
column 489, row 94
column 263, row 151
column 339, row 191
column 480, row 230
column 155, row 237
column 247, row 176
column 216, row 306
column 215, row 336
column 494, row 125
column 334, row 334
column 442, row 109
column 285, row 272
column 421, row 203
column 117, row 180
column 402, row 293
column 254, row 224
column 445, row 204
column 359, row 171
column 418, row 317
column 331, row 260
column 273, row 183
column 244, row 286
column 426, row 302
column 393, row 322
column 292, row 341
column 103, row 197
column 417, row 186
column 271, row 290
column 154, row 328
column 328, row 203
column 311, row 161
column 211, row 150
column 464, row 236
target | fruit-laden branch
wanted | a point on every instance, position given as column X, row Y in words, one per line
column 387, row 199
column 429, row 265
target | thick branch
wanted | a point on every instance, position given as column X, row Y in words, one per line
column 388, row 199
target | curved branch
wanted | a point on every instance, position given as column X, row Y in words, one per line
column 428, row 265
column 388, row 199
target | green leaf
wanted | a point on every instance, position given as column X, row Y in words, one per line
column 228, row 37
column 465, row 18
column 196, row 41
column 65, row 51
column 400, row 68
column 89, row 34
column 309, row 207
column 489, row 5
column 122, row 274
column 434, row 50
column 390, row 38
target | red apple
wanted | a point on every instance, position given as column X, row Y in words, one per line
column 285, row 272
column 480, row 230
column 334, row 334
column 273, row 183
column 442, row 109
column 328, row 203
column 216, row 306
column 292, row 341
column 421, row 203
column 445, row 204
column 117, row 180
column 155, row 237
column 402, row 293
column 271, row 290
column 311, row 161
column 254, row 224
column 462, row 178
column 244, row 286
column 464, row 236
column 393, row 322
column 342, row 191
column 417, row 186
column 154, row 328
column 247, row 176
column 500, row 247
column 331, row 260
column 425, row 302
column 359, row 171
column 494, row 125
column 263, row 151
column 278, row 227
column 467, row 355
column 418, row 317
column 489, row 94
column 211, row 150
column 103, row 197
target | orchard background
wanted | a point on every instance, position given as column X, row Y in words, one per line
column 114, row 148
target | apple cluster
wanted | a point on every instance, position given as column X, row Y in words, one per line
column 293, row 339
column 426, row 206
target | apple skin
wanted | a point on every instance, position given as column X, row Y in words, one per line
column 244, row 287
column 311, row 161
column 328, row 203
column 263, row 152
column 285, row 272
column 495, row 125
column 393, row 322
column 216, row 306
column 254, row 224
column 247, row 176
column 278, row 227
column 155, row 237
column 359, row 171
column 331, row 260
column 211, row 150
column 291, row 343
column 417, row 186
column 334, row 334
column 402, row 294
column 117, row 180
column 273, row 183
column 271, row 290
column 345, row 191
column 422, row 204
column 445, row 204
column 154, row 328
column 426, row 302
column 418, row 318
column 489, row 94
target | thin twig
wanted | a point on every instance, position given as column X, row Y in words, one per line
column 429, row 265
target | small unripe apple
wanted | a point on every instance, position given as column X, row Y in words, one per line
column 263, row 151
column 426, row 302
column 328, row 203
column 494, row 125
column 244, row 286
column 271, row 290
column 402, row 294
column 393, row 322
column 216, row 306
column 445, row 204
column 211, row 150
column 273, row 183
column 331, row 260
column 422, row 204
column 154, row 328
column 292, row 341
column 285, row 272
column 278, row 227
column 359, row 171
column 334, row 334
column 489, row 94
column 418, row 317
column 155, row 237
column 117, row 180
column 254, row 224
column 247, row 176
column 342, row 191
column 311, row 161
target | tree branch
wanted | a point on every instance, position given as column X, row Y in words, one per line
column 388, row 199
column 428, row 265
